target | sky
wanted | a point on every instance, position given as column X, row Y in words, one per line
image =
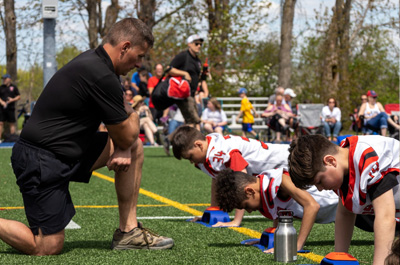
column 305, row 12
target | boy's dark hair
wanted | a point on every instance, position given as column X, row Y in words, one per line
column 394, row 257
column 306, row 158
column 230, row 186
column 182, row 140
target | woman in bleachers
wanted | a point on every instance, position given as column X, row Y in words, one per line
column 331, row 116
column 375, row 117
column 146, row 119
column 279, row 116
column 214, row 118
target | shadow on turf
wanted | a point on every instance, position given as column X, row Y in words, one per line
column 225, row 245
column 331, row 243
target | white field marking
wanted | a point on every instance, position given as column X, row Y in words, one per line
column 189, row 217
column 72, row 225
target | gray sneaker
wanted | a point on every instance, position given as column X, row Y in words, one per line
column 140, row 238
column 166, row 145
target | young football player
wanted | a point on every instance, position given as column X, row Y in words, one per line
column 270, row 192
column 214, row 152
column 364, row 172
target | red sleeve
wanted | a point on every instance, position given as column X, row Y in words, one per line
column 152, row 81
column 236, row 161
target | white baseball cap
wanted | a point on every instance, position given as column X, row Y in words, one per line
column 290, row 92
column 194, row 37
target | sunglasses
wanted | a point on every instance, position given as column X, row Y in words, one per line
column 364, row 99
column 198, row 44
column 331, row 101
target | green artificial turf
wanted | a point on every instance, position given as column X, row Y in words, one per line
column 175, row 180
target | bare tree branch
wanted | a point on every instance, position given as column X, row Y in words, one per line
column 173, row 12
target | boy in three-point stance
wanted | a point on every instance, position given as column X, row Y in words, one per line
column 364, row 172
column 270, row 192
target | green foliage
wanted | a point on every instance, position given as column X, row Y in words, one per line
column 66, row 54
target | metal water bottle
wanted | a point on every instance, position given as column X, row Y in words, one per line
column 285, row 238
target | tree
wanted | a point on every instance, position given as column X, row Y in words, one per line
column 9, row 25
column 285, row 60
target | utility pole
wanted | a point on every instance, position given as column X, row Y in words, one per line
column 50, row 12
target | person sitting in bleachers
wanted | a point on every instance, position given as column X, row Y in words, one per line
column 213, row 117
column 146, row 119
column 331, row 117
column 279, row 116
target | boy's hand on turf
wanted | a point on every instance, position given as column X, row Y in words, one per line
column 270, row 250
column 230, row 224
column 253, row 242
column 195, row 219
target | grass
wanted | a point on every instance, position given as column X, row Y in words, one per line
column 194, row 244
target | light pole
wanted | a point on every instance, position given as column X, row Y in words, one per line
column 50, row 12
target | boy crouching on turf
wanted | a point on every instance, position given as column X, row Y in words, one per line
column 364, row 172
column 214, row 152
column 270, row 192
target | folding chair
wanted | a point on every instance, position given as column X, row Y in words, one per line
column 309, row 116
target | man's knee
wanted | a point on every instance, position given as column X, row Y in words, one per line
column 48, row 244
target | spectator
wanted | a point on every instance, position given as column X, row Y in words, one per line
column 279, row 115
column 331, row 116
column 146, row 120
column 9, row 94
column 151, row 84
column 188, row 65
column 374, row 114
column 278, row 91
column 143, row 91
column 355, row 118
column 213, row 117
column 129, row 96
column 288, row 95
column 248, row 119
column 61, row 136
column 201, row 93
column 175, row 121
column 126, row 84
column 135, row 81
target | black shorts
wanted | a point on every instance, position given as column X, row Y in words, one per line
column 7, row 115
column 44, row 179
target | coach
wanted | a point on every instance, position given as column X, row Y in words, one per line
column 60, row 143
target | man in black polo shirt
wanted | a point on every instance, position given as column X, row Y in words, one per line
column 188, row 65
column 9, row 94
column 60, row 143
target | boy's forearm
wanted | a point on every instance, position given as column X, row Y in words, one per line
column 384, row 229
column 309, row 215
column 213, row 193
column 239, row 213
column 344, row 226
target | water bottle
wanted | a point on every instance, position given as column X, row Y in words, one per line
column 285, row 238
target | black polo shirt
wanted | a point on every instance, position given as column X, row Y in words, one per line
column 186, row 62
column 10, row 91
column 83, row 93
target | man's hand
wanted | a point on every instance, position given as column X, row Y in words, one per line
column 120, row 160
column 188, row 77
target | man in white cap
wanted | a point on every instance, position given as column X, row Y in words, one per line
column 289, row 95
column 188, row 65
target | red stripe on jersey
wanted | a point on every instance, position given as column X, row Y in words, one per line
column 368, row 157
column 265, row 210
column 384, row 173
column 227, row 137
column 347, row 199
column 270, row 201
column 209, row 168
column 236, row 161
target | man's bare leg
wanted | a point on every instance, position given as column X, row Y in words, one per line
column 127, row 183
column 20, row 237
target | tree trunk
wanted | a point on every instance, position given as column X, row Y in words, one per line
column 219, row 28
column 285, row 63
column 11, row 39
column 93, row 26
column 343, row 26
column 111, row 17
column 146, row 12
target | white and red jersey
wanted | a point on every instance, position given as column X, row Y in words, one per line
column 373, row 170
column 240, row 153
column 270, row 182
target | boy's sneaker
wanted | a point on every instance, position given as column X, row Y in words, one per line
column 140, row 238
